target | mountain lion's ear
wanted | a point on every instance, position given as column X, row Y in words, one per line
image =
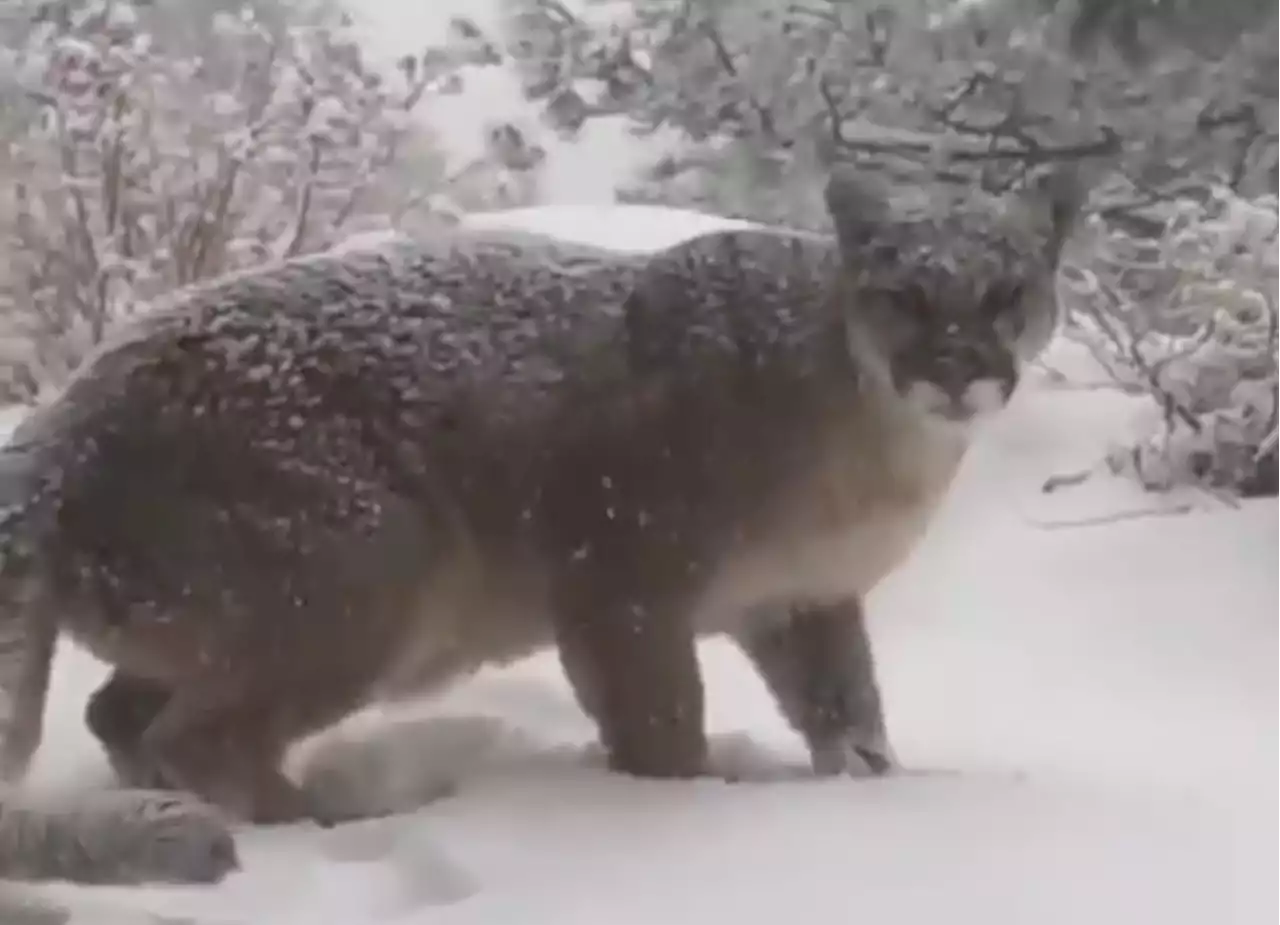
column 1057, row 200
column 858, row 207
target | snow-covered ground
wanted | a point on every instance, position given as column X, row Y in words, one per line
column 1092, row 684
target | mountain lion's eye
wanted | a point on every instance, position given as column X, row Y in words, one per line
column 1001, row 300
column 915, row 305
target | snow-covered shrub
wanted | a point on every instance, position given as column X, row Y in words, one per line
column 1189, row 317
column 130, row 169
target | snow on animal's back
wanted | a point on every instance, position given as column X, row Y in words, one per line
column 632, row 228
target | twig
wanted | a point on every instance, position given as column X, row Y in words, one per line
column 832, row 105
column 231, row 166
column 1107, row 145
column 303, row 214
column 1105, row 519
column 386, row 157
column 764, row 115
column 1065, row 480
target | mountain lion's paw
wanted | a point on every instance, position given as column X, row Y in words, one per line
column 855, row 754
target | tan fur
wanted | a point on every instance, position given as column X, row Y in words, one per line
column 473, row 613
column 847, row 523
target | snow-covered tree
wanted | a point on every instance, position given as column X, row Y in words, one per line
column 1132, row 28
column 1189, row 316
column 139, row 156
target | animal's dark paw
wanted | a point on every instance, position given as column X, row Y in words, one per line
column 329, row 815
column 855, row 754
column 327, row 819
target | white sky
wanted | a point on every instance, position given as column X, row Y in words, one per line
column 585, row 172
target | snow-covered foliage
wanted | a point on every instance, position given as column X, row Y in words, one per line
column 1190, row 317
column 760, row 96
column 131, row 165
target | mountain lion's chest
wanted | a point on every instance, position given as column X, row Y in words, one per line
column 851, row 518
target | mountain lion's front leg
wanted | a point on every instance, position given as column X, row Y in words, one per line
column 634, row 669
column 816, row 660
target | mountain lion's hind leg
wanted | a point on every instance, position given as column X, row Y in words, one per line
column 118, row 713
column 225, row 742
column 125, row 836
column 816, row 660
